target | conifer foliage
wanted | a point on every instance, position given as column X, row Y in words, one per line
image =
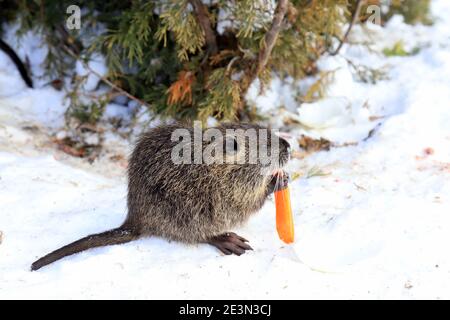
column 187, row 58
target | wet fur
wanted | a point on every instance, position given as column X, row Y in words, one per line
column 190, row 203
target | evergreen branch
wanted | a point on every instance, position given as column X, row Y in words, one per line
column 270, row 38
column 201, row 14
column 104, row 79
column 355, row 18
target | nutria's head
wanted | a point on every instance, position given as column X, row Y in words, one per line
column 250, row 145
column 252, row 155
column 231, row 146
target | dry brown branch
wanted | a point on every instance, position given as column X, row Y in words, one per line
column 270, row 37
column 104, row 79
column 201, row 14
column 265, row 51
column 355, row 19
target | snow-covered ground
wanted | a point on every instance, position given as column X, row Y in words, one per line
column 375, row 224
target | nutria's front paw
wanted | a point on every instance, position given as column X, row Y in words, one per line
column 278, row 182
column 230, row 243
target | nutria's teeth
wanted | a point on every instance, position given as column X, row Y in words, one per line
column 278, row 171
column 187, row 202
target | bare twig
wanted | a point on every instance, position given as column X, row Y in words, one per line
column 201, row 14
column 355, row 19
column 270, row 38
column 19, row 64
column 265, row 51
column 72, row 43
column 104, row 79
column 230, row 64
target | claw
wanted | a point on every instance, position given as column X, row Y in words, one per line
column 230, row 243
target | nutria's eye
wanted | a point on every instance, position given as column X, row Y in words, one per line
column 285, row 144
column 231, row 145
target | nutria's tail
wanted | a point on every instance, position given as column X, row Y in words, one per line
column 115, row 236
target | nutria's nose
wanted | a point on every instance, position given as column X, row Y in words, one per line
column 285, row 143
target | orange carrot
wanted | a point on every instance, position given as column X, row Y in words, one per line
column 285, row 221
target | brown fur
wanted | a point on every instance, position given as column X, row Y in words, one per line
column 191, row 203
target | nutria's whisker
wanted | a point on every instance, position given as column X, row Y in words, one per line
column 186, row 201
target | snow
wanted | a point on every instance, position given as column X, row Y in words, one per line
column 96, row 64
column 30, row 42
column 374, row 225
column 9, row 85
column 116, row 111
column 43, row 105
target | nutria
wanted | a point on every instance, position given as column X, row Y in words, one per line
column 192, row 202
